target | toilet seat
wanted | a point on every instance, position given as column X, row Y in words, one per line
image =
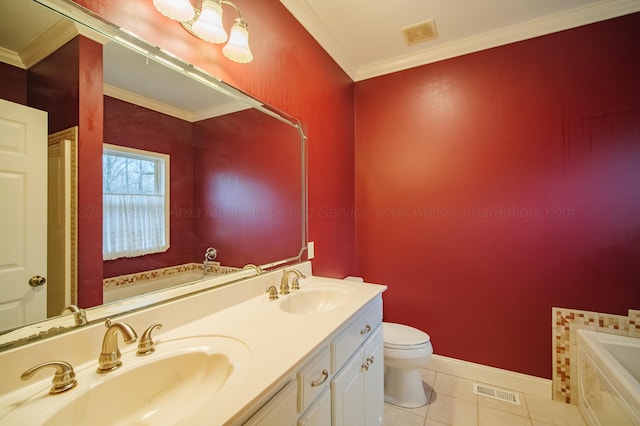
column 404, row 337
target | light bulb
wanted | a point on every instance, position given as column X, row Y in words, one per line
column 179, row 10
column 237, row 49
column 208, row 26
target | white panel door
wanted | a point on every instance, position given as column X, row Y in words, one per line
column 23, row 214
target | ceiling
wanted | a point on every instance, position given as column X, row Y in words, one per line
column 365, row 36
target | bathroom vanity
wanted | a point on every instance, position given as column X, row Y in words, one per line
column 227, row 355
column 340, row 384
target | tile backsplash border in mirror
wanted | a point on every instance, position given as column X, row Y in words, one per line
column 139, row 277
column 565, row 322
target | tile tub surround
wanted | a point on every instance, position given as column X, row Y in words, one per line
column 565, row 322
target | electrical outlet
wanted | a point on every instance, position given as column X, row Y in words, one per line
column 311, row 250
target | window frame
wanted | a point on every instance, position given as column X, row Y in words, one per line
column 163, row 183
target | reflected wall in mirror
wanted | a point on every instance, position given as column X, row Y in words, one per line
column 237, row 177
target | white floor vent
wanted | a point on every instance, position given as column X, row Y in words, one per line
column 495, row 393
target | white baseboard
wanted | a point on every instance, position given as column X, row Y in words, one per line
column 493, row 376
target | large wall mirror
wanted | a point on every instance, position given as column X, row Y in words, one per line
column 133, row 130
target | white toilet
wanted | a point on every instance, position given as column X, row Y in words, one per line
column 406, row 349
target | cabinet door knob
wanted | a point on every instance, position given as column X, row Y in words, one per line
column 366, row 329
column 321, row 380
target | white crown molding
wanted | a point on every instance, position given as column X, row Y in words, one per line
column 303, row 13
column 48, row 42
column 152, row 104
column 605, row 9
column 219, row 110
column 10, row 57
column 534, row 28
column 161, row 107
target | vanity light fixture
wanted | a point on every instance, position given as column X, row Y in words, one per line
column 205, row 22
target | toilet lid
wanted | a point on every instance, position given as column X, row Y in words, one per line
column 399, row 335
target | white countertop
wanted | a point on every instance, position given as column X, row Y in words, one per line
column 276, row 340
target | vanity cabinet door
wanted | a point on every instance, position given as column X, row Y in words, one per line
column 348, row 393
column 280, row 410
column 374, row 379
column 319, row 414
column 358, row 389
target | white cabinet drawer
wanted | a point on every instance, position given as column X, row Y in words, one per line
column 313, row 378
column 343, row 346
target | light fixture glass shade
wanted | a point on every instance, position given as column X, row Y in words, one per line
column 208, row 26
column 179, row 10
column 237, row 49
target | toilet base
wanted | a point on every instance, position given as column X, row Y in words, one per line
column 403, row 387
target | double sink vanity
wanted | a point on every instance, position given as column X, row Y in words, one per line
column 227, row 355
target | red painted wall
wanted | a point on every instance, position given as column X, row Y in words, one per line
column 129, row 125
column 247, row 188
column 294, row 74
column 74, row 98
column 213, row 201
column 494, row 186
column 13, row 84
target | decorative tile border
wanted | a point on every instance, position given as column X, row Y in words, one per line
column 634, row 323
column 565, row 322
column 214, row 268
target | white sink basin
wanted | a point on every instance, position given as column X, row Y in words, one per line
column 166, row 387
column 313, row 300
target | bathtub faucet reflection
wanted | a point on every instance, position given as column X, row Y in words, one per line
column 209, row 256
column 79, row 316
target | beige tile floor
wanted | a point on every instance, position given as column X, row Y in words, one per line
column 451, row 402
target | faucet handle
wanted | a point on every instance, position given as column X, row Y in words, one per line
column 273, row 292
column 63, row 379
column 295, row 283
column 146, row 345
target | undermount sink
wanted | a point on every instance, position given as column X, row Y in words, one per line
column 314, row 300
column 166, row 387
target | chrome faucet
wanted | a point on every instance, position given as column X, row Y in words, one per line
column 79, row 317
column 209, row 256
column 109, row 358
column 295, row 284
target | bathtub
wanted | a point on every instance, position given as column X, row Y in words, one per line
column 149, row 285
column 608, row 378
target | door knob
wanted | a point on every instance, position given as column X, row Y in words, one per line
column 37, row 281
